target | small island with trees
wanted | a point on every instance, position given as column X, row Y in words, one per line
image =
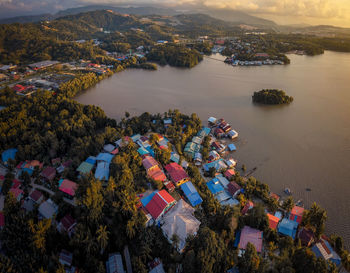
column 271, row 96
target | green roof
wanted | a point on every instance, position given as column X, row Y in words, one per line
column 85, row 168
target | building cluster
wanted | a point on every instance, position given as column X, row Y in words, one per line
column 172, row 207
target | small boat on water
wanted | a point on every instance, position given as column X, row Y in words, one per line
column 299, row 203
column 308, row 189
column 287, row 191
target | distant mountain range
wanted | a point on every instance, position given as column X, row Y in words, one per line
column 231, row 17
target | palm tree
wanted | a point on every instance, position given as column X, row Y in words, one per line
column 102, row 237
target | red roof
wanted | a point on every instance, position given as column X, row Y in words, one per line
column 233, row 187
column 273, row 221
column 166, row 196
column 19, row 88
column 157, row 174
column 149, row 162
column 2, row 219
column 158, row 203
column 176, row 172
column 35, row 195
column 68, row 222
column 16, row 183
column 115, row 151
column 156, row 206
column 16, row 192
column 247, row 207
column 253, row 236
column 298, row 211
column 68, row 187
column 274, row 196
column 229, row 173
column 49, row 173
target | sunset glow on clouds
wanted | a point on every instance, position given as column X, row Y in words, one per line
column 311, row 11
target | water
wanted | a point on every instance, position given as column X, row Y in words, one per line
column 302, row 145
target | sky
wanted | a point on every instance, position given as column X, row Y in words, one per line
column 314, row 12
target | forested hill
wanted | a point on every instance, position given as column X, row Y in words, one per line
column 23, row 43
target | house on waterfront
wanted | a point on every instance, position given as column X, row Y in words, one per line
column 219, row 165
column 249, row 205
column 191, row 193
column 177, row 174
column 180, row 221
column 306, row 236
column 323, row 249
column 273, row 221
column 296, row 214
column 288, row 227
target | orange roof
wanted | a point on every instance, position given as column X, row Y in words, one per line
column 273, row 221
column 297, row 211
column 156, row 174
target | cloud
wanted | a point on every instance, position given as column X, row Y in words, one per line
column 338, row 9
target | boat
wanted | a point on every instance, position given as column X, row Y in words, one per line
column 299, row 203
column 288, row 191
column 308, row 189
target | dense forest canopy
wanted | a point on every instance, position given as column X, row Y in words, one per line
column 271, row 96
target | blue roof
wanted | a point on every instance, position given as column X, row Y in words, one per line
column 136, row 137
column 28, row 171
column 150, row 150
column 191, row 193
column 205, row 131
column 175, row 157
column 237, row 239
column 91, row 160
column 278, row 214
column 288, row 227
column 217, row 164
column 232, row 147
column 2, row 107
column 230, row 202
column 107, row 157
column 145, row 200
column 142, row 151
column 8, row 154
column 334, row 256
column 102, row 171
column 215, row 186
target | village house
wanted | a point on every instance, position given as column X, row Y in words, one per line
column 177, row 174
column 48, row 174
column 288, row 227
column 180, row 221
column 48, row 209
column 233, row 188
column 36, row 196
column 67, row 187
column 296, row 214
column 323, row 249
column 158, row 203
column 306, row 236
column 67, row 224
column 251, row 235
column 114, row 263
column 191, row 193
column 273, row 221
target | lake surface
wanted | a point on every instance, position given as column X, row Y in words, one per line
column 302, row 145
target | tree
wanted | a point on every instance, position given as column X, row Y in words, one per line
column 93, row 201
column 288, row 204
column 315, row 218
column 39, row 231
column 102, row 237
column 250, row 260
